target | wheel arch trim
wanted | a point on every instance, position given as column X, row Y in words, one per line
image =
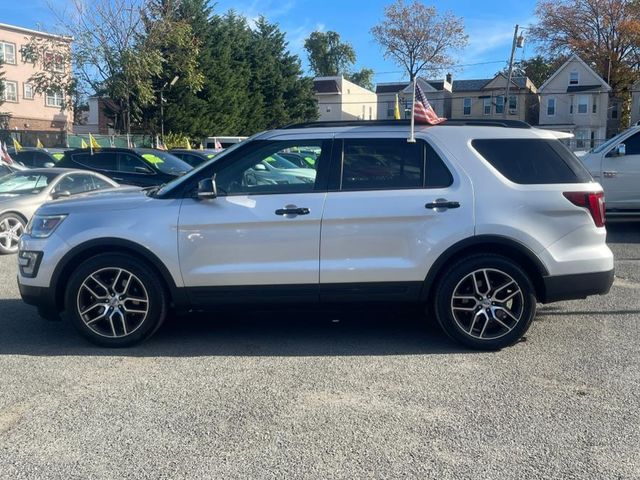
column 508, row 247
column 112, row 245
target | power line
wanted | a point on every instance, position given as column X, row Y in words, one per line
column 448, row 66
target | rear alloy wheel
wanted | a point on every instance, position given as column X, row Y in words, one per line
column 485, row 302
column 116, row 300
column 11, row 229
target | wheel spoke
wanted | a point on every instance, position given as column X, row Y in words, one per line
column 497, row 316
column 123, row 313
column 92, row 307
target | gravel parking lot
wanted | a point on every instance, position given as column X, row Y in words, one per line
column 366, row 394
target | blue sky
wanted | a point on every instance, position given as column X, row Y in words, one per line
column 489, row 24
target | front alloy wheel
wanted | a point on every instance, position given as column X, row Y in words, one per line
column 11, row 229
column 485, row 302
column 116, row 300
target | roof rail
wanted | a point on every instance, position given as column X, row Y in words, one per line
column 476, row 122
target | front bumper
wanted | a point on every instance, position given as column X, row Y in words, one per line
column 577, row 286
column 41, row 297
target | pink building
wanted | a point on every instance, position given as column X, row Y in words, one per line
column 22, row 108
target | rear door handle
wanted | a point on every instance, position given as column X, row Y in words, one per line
column 609, row 174
column 293, row 211
column 442, row 203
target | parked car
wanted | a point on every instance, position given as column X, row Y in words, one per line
column 477, row 220
column 7, row 169
column 194, row 157
column 616, row 165
column 35, row 157
column 142, row 167
column 22, row 192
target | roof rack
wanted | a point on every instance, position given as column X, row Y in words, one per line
column 475, row 122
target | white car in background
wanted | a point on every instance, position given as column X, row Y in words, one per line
column 616, row 166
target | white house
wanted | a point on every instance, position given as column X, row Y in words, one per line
column 575, row 99
column 340, row 99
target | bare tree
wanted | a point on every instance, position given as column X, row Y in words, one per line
column 109, row 56
column 418, row 38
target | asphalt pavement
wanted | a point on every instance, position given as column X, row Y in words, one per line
column 327, row 394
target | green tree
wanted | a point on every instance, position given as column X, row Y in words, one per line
column 418, row 38
column 363, row 77
column 328, row 55
column 170, row 33
column 538, row 69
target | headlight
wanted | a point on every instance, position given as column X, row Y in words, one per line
column 42, row 226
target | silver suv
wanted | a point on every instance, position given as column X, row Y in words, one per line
column 479, row 220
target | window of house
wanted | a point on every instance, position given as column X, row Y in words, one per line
column 8, row 53
column 54, row 62
column 614, row 110
column 54, row 99
column 581, row 137
column 594, row 104
column 583, row 103
column 500, row 104
column 513, row 103
column 10, row 93
column 466, row 106
column 486, row 105
column 28, row 91
column 551, row 107
column 571, row 105
column 391, row 109
column 574, row 78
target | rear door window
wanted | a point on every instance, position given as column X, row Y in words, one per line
column 391, row 164
column 530, row 161
column 106, row 161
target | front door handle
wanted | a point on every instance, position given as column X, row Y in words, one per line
column 293, row 210
column 443, row 204
column 609, row 174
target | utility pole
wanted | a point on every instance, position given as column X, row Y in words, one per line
column 505, row 107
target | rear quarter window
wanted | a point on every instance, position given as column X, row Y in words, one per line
column 531, row 161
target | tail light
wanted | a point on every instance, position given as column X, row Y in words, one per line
column 592, row 201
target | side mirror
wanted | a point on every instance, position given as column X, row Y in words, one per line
column 142, row 170
column 207, row 189
column 61, row 194
column 621, row 150
column 49, row 165
column 259, row 166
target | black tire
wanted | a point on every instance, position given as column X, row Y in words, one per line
column 8, row 243
column 129, row 329
column 466, row 324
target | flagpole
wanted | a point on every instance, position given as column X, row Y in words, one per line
column 412, row 137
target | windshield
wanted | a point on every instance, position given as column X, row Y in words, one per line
column 608, row 144
column 277, row 161
column 24, row 183
column 165, row 162
column 174, row 183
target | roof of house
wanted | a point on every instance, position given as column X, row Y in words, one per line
column 575, row 58
column 326, row 86
column 479, row 84
column 14, row 28
column 395, row 87
column 469, row 85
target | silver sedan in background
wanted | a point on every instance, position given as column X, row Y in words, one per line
column 21, row 193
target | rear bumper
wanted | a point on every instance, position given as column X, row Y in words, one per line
column 573, row 287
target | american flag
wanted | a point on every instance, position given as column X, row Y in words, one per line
column 423, row 112
column 4, row 154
